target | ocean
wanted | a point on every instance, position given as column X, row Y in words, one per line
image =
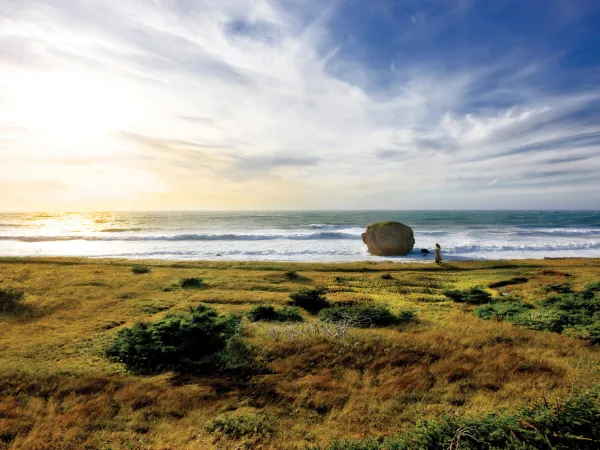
column 298, row 235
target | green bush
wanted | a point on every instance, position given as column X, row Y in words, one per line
column 567, row 424
column 175, row 342
column 238, row 426
column 291, row 275
column 505, row 310
column 10, row 298
column 365, row 316
column 541, row 320
column 312, row 300
column 559, row 288
column 289, row 314
column 474, row 295
column 594, row 287
column 267, row 313
column 512, row 281
column 387, row 276
column 190, row 283
column 138, row 270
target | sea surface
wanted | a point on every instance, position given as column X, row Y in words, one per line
column 299, row 235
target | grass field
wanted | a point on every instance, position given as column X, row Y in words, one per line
column 312, row 383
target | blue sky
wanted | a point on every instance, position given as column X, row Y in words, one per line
column 299, row 104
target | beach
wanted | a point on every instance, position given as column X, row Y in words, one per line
column 309, row 383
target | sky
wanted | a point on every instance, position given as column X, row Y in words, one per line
column 299, row 104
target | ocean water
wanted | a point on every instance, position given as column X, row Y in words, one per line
column 298, row 236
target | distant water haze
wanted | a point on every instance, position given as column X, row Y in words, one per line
column 298, row 235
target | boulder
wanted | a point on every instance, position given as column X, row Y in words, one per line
column 389, row 239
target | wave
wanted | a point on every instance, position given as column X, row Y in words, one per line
column 188, row 237
column 475, row 248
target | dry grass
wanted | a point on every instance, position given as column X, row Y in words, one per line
column 316, row 384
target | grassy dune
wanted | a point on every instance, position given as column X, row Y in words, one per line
column 313, row 383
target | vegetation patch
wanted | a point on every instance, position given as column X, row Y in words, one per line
column 576, row 314
column 268, row 313
column 139, row 270
column 503, row 310
column 560, row 288
column 312, row 300
column 10, row 299
column 512, row 281
column 474, row 295
column 291, row 275
column 387, row 276
column 567, row 424
column 241, row 426
column 365, row 316
column 177, row 342
column 191, row 283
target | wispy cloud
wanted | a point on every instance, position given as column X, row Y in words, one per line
column 265, row 104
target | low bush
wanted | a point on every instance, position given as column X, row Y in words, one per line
column 387, row 276
column 291, row 275
column 576, row 314
column 175, row 342
column 504, row 310
column 365, row 316
column 312, row 300
column 10, row 298
column 559, row 288
column 191, row 283
column 139, row 270
column 237, row 426
column 267, row 313
column 289, row 314
column 571, row 423
column 512, row 281
column 594, row 286
column 474, row 295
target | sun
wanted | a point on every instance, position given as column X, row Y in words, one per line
column 69, row 106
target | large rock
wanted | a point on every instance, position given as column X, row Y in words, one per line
column 389, row 239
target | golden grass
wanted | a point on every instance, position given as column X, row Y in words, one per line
column 58, row 391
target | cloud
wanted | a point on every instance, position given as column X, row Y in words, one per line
column 270, row 97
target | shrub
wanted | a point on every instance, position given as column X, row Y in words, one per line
column 364, row 316
column 10, row 298
column 237, row 426
column 541, row 320
column 387, row 276
column 312, row 300
column 264, row 313
column 190, row 283
column 512, row 281
column 178, row 341
column 138, row 270
column 506, row 310
column 289, row 314
column 560, row 288
column 567, row 424
column 594, row 286
column 291, row 275
column 236, row 357
column 474, row 295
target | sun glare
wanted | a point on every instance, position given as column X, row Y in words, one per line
column 69, row 106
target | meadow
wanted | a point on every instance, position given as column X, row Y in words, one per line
column 392, row 347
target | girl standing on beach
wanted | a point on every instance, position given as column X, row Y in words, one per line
column 438, row 254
